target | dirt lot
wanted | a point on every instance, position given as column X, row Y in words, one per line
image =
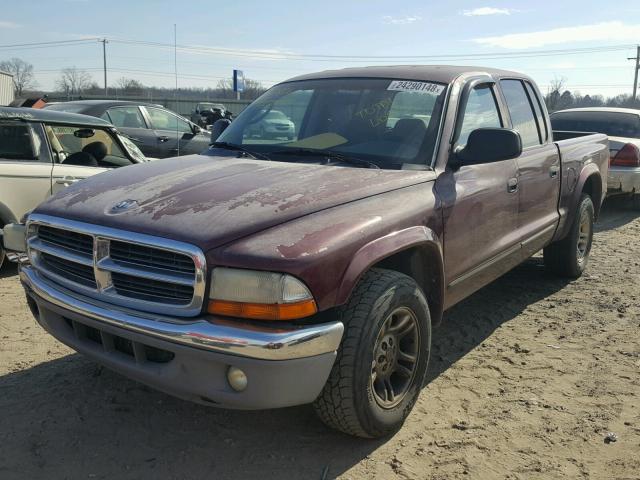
column 527, row 378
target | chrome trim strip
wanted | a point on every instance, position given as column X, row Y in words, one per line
column 207, row 333
column 105, row 291
column 46, row 247
column 150, row 274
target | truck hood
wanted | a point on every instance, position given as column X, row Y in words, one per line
column 209, row 201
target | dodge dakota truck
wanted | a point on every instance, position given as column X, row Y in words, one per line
column 269, row 272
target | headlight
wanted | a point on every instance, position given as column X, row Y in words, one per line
column 259, row 295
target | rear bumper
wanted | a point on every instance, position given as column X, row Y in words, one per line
column 623, row 180
column 190, row 359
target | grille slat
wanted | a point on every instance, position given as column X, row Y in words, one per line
column 152, row 290
column 74, row 241
column 78, row 273
column 150, row 257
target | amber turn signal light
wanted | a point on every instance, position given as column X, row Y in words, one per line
column 262, row 311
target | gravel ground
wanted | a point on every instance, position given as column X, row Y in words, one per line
column 531, row 377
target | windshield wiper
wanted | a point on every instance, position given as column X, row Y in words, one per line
column 328, row 154
column 240, row 148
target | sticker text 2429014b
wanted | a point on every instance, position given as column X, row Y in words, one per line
column 418, row 87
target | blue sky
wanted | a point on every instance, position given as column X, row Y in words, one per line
column 262, row 37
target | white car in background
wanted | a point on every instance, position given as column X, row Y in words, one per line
column 622, row 125
column 271, row 124
column 42, row 152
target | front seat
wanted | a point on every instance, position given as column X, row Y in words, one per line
column 97, row 150
column 409, row 130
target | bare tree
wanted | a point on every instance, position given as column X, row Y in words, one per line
column 554, row 92
column 252, row 89
column 22, row 74
column 74, row 81
column 129, row 86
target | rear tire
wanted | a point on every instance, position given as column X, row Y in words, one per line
column 569, row 256
column 382, row 362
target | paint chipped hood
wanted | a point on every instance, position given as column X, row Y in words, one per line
column 210, row 201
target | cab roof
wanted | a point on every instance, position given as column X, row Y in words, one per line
column 50, row 116
column 432, row 73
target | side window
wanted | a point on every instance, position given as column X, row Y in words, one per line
column 537, row 107
column 163, row 120
column 481, row 111
column 17, row 142
column 126, row 117
column 522, row 116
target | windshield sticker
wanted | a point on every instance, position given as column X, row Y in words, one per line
column 417, row 87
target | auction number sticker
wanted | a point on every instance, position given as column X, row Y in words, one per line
column 418, row 87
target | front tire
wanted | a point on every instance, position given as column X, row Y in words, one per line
column 382, row 361
column 569, row 256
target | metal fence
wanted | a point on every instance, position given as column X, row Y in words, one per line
column 182, row 106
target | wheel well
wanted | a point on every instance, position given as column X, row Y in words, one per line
column 424, row 265
column 593, row 187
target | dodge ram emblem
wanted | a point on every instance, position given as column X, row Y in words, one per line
column 123, row 206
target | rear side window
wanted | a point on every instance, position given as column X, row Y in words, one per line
column 614, row 124
column 521, row 112
column 537, row 107
column 126, row 117
column 16, row 142
column 481, row 111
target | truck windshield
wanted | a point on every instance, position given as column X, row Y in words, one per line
column 614, row 124
column 388, row 122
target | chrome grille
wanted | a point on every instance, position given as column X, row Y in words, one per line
column 128, row 269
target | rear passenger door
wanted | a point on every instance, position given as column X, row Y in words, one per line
column 538, row 166
column 25, row 168
column 130, row 121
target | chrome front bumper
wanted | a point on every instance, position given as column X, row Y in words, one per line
column 190, row 358
column 624, row 179
column 208, row 333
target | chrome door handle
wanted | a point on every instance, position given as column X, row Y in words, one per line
column 163, row 139
column 553, row 171
column 512, row 185
column 66, row 180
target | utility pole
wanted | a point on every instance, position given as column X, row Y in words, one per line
column 635, row 76
column 104, row 60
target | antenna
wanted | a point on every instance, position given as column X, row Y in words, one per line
column 175, row 68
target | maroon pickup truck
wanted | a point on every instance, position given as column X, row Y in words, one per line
column 269, row 271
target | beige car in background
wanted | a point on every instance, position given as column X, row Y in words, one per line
column 622, row 125
column 42, row 152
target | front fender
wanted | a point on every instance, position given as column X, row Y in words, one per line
column 416, row 251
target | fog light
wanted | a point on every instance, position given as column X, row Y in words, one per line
column 237, row 379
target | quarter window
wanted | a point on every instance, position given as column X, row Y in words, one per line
column 481, row 111
column 537, row 106
column 126, row 117
column 521, row 112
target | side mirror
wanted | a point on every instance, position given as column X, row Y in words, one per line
column 218, row 127
column 487, row 145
